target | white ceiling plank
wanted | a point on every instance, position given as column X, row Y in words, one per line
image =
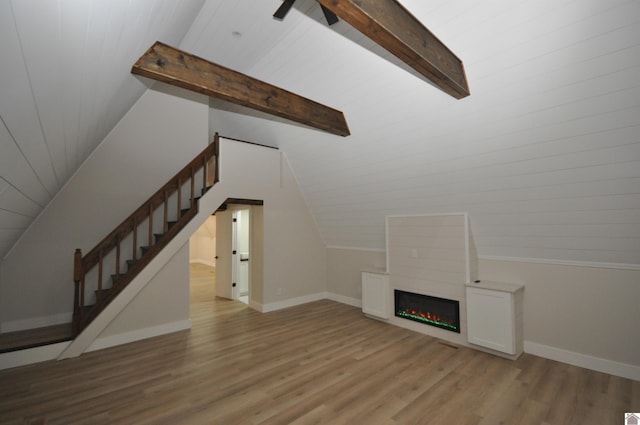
column 14, row 201
column 614, row 244
column 65, row 83
column 562, row 230
column 40, row 37
column 91, row 79
column 526, row 143
column 104, row 73
column 561, row 218
column 11, row 220
column 560, row 255
column 17, row 104
column 466, row 199
column 8, row 238
column 15, row 170
column 74, row 29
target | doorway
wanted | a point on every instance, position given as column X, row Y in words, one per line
column 202, row 243
column 240, row 236
column 230, row 243
column 238, row 250
column 202, row 267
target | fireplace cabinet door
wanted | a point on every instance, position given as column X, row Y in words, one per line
column 490, row 319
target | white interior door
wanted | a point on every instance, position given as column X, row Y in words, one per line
column 242, row 245
column 234, row 254
column 223, row 254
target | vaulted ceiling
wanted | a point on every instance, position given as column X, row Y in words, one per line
column 544, row 154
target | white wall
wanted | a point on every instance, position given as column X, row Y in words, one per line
column 294, row 254
column 161, row 133
column 587, row 310
column 344, row 271
column 257, row 255
column 559, row 302
column 161, row 306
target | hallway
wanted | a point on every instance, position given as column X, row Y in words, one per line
column 202, row 280
column 203, row 301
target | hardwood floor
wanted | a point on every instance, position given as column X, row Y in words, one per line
column 320, row 363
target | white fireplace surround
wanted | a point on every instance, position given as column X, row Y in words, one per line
column 429, row 254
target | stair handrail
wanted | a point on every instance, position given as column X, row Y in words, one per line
column 205, row 160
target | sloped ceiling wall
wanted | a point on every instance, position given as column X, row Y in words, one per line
column 64, row 84
column 544, row 154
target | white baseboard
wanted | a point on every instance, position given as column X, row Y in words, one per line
column 124, row 338
column 256, row 306
column 582, row 360
column 32, row 355
column 354, row 302
column 291, row 302
column 37, row 322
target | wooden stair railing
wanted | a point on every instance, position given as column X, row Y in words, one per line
column 158, row 220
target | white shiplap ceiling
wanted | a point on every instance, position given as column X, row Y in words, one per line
column 544, row 154
column 64, row 84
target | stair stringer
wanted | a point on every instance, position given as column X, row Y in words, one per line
column 236, row 160
column 82, row 342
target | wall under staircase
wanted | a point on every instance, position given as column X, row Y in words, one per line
column 161, row 133
column 157, row 137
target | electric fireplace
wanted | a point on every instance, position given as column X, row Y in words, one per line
column 434, row 311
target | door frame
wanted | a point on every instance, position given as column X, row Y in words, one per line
column 224, row 255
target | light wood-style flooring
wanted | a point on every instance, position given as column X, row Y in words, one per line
column 320, row 363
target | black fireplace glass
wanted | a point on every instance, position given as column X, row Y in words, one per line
column 434, row 311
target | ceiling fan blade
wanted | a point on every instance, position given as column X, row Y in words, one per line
column 329, row 16
column 283, row 9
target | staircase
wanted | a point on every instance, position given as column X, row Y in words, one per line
column 114, row 262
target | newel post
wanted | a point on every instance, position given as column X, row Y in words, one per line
column 77, row 278
column 216, row 162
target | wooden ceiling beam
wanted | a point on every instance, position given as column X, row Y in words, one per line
column 390, row 25
column 173, row 66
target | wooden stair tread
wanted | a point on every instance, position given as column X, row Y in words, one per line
column 20, row 340
column 116, row 277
